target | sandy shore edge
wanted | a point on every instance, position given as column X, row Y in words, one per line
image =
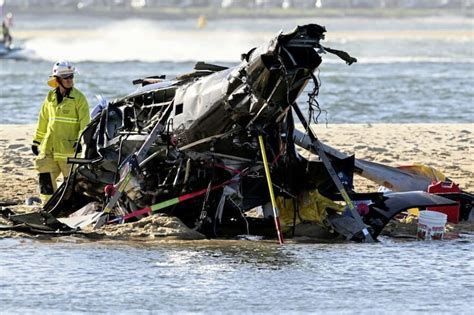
column 447, row 147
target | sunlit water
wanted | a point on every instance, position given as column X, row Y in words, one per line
column 236, row 277
column 402, row 76
column 409, row 70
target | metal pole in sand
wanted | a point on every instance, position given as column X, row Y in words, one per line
column 270, row 189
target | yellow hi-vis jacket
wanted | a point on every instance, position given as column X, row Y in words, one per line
column 60, row 125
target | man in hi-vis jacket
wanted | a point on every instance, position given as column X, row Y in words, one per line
column 63, row 116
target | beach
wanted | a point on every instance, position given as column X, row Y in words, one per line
column 447, row 147
column 135, row 258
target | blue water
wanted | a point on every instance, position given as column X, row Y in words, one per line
column 236, row 277
column 409, row 92
column 409, row 70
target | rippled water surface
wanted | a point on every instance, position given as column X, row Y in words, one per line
column 236, row 276
column 412, row 70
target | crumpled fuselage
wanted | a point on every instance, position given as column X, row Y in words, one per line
column 205, row 164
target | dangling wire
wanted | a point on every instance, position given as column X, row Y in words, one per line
column 313, row 105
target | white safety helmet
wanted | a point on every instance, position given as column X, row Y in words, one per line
column 61, row 69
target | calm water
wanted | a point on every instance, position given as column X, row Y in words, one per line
column 236, row 277
column 408, row 71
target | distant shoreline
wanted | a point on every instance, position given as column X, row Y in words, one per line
column 170, row 13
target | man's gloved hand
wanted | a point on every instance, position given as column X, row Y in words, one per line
column 78, row 146
column 34, row 149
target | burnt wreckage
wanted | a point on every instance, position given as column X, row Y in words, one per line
column 197, row 147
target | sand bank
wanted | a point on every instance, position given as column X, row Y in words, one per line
column 447, row 147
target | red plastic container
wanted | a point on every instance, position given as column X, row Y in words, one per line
column 446, row 187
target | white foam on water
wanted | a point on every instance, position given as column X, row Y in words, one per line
column 147, row 41
column 156, row 41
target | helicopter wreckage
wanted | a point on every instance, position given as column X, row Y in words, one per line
column 211, row 145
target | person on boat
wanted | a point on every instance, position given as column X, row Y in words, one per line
column 62, row 118
column 6, row 24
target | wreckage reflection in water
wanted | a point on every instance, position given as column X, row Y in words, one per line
column 242, row 277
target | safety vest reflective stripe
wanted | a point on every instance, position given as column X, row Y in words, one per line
column 65, row 120
column 61, row 156
column 39, row 136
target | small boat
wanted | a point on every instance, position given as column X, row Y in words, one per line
column 12, row 52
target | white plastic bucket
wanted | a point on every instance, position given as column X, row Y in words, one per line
column 431, row 225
